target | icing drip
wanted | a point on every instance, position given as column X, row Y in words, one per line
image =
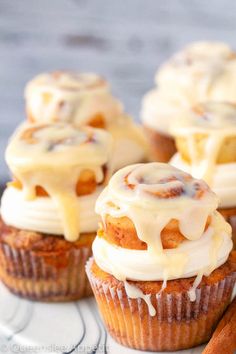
column 218, row 228
column 192, row 291
column 133, row 292
column 54, row 156
column 187, row 260
column 42, row 214
column 152, row 195
column 223, row 183
column 214, row 122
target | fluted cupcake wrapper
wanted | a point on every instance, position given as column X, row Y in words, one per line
column 45, row 276
column 178, row 323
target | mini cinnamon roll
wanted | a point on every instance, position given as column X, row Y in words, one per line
column 203, row 71
column 160, row 242
column 48, row 210
column 81, row 98
column 206, row 141
column 85, row 99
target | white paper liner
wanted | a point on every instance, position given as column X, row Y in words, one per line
column 44, row 277
column 178, row 323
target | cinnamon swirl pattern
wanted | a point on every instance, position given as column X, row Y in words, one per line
column 58, row 162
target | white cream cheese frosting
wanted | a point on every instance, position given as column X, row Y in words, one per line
column 203, row 71
column 54, row 156
column 42, row 213
column 158, row 110
column 151, row 195
column 139, row 265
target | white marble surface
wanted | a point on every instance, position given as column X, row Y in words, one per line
column 28, row 327
column 123, row 40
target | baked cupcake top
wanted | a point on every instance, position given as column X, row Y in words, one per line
column 159, row 223
column 206, row 140
column 58, row 162
column 80, row 98
column 203, row 71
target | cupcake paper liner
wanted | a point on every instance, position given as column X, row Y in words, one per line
column 178, row 323
column 45, row 276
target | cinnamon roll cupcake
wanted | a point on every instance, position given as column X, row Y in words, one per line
column 162, row 271
column 85, row 99
column 203, row 71
column 48, row 222
column 206, row 142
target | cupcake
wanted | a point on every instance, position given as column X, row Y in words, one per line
column 201, row 72
column 47, row 221
column 85, row 99
column 156, row 114
column 206, row 142
column 162, row 271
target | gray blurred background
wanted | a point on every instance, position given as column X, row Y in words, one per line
column 123, row 40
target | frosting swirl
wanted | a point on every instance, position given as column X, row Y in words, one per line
column 56, row 158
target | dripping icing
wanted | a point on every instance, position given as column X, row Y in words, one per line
column 54, row 156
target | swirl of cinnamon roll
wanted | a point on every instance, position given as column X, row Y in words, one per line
column 202, row 71
column 79, row 98
column 60, row 162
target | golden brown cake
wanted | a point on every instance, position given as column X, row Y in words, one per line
column 162, row 146
column 86, row 99
column 47, row 220
column 206, row 141
column 162, row 272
